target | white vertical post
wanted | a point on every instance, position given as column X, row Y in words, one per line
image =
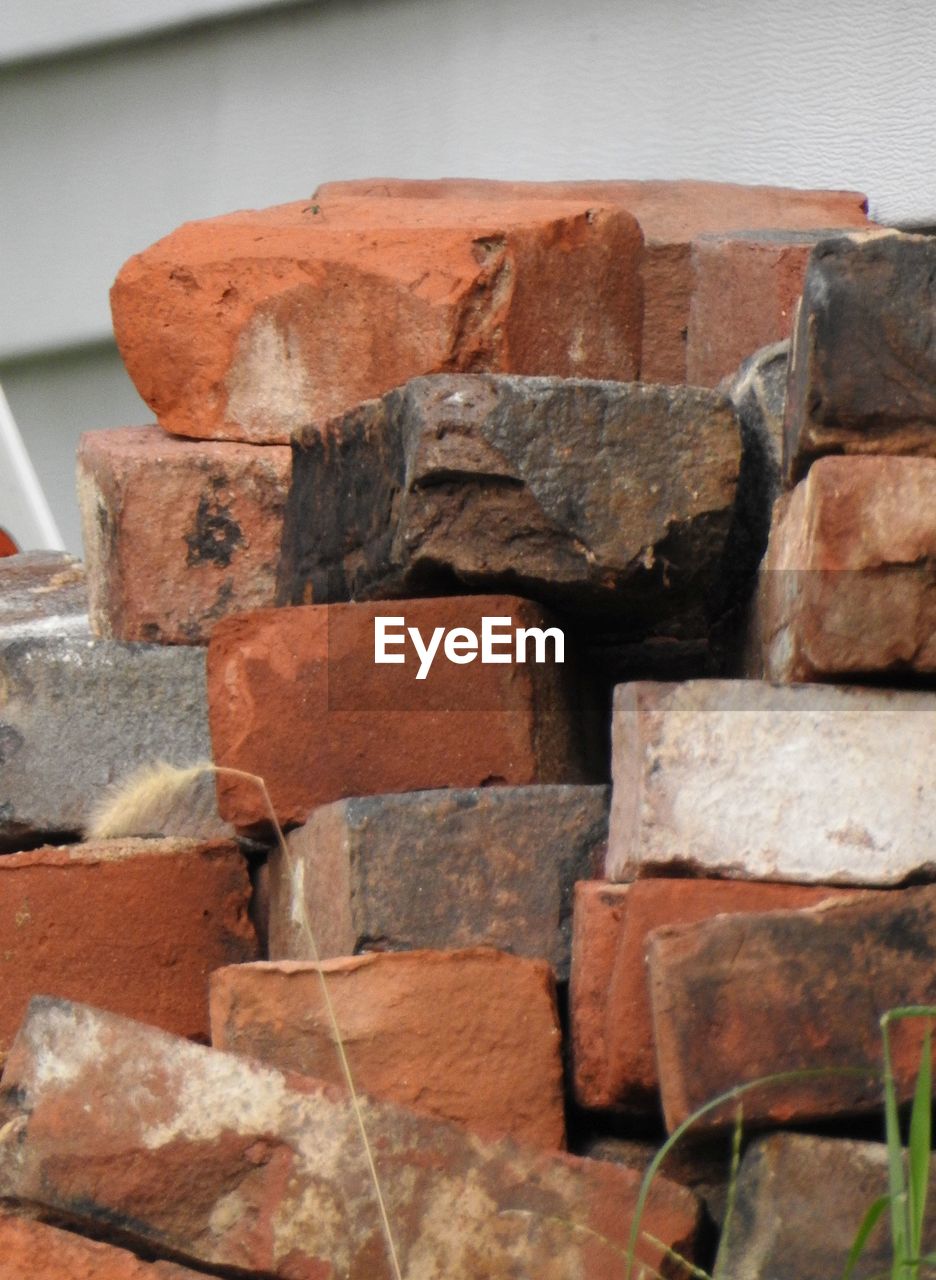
column 24, row 511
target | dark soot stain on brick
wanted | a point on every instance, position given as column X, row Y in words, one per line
column 216, row 535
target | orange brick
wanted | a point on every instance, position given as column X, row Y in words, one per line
column 598, row 915
column 653, row 904
column 471, row 1036
column 135, row 926
column 296, row 696
column 671, row 215
column 248, row 326
column 611, row 1023
column 35, row 1251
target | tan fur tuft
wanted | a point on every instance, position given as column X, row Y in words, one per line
column 145, row 802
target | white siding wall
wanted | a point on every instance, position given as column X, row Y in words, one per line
column 103, row 149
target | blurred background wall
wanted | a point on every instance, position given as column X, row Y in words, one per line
column 119, row 119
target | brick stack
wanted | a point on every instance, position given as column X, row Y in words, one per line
column 428, row 423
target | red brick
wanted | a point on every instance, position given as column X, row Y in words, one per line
column 847, row 585
column 295, row 696
column 671, row 215
column 598, row 914
column 131, row 925
column 744, row 295
column 231, row 1165
column 248, row 326
column 177, row 533
column 745, row 996
column 35, row 1251
column 609, row 1006
column 652, row 904
column 471, row 1036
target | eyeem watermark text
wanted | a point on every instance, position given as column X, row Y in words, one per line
column 499, row 642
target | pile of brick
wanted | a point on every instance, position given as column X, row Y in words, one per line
column 430, row 423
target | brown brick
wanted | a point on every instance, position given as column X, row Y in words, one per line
column 745, row 996
column 471, row 1036
column 490, row 866
column 863, row 366
column 248, row 326
column 613, row 502
column 295, row 695
column 609, row 1006
column 131, row 925
column 178, row 533
column 671, row 215
column 650, row 905
column 231, row 1165
column 36, row 1251
column 801, row 1200
column 745, row 289
column 846, row 588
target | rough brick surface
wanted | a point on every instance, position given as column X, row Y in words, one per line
column 611, row 1021
column 434, row 869
column 295, row 695
column 800, row 1202
column 36, row 1251
column 703, row 1167
column 745, row 996
column 77, row 715
column 863, row 370
column 754, row 781
column 135, row 926
column 225, row 1162
column 671, row 215
column 471, row 1036
column 42, row 593
column 177, row 533
column 745, row 289
column 612, row 500
column 598, row 915
column 248, row 326
column 847, row 586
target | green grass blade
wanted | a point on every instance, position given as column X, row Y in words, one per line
column 730, row 1095
column 868, row 1223
column 896, row 1177
column 919, row 1152
column 732, row 1190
